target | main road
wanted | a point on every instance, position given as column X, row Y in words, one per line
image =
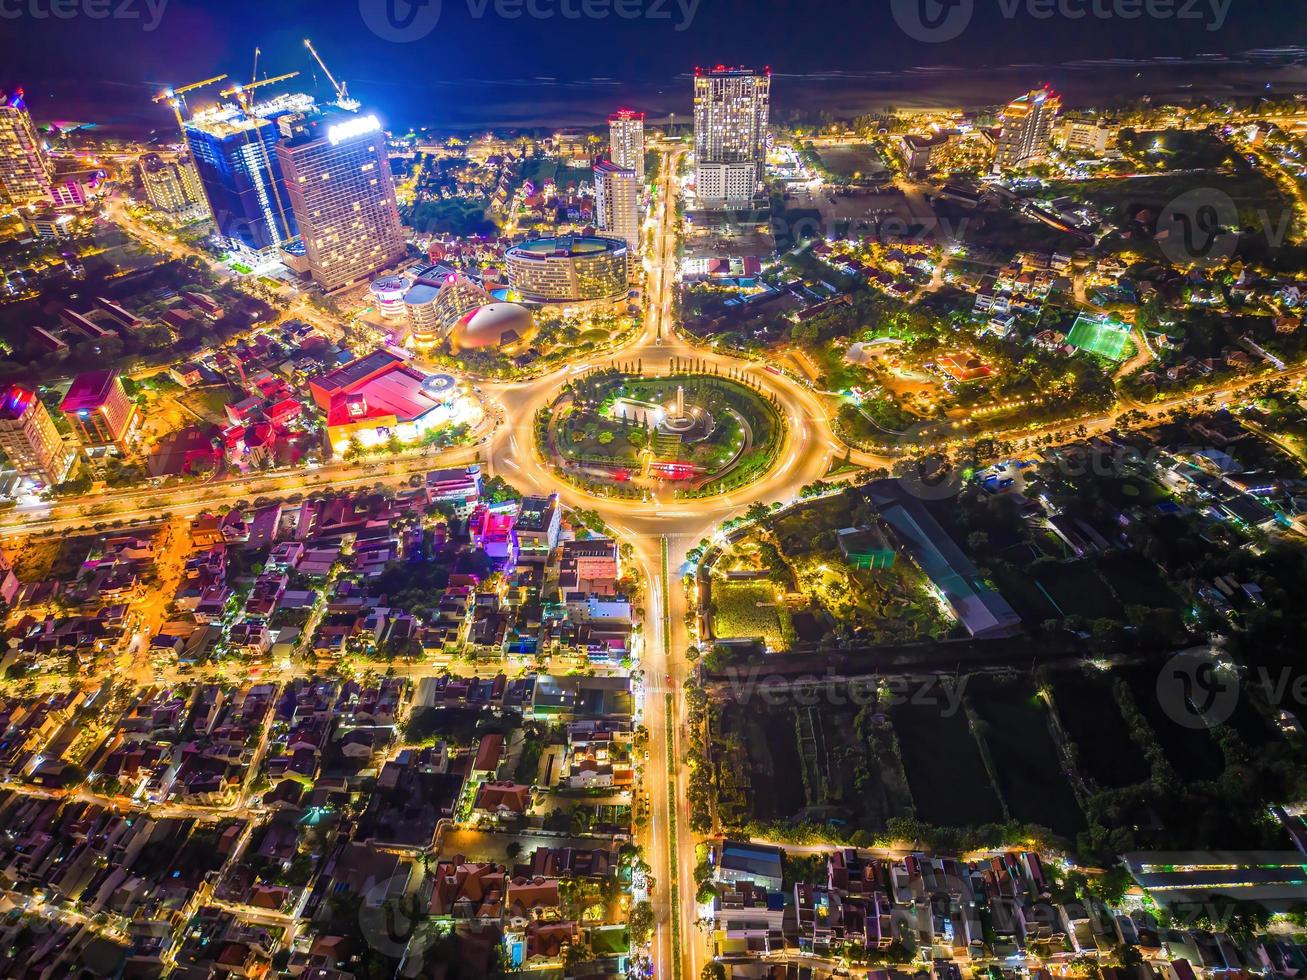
column 659, row 523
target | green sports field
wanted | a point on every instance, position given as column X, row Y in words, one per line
column 1104, row 339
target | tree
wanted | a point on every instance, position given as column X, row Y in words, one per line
column 641, row 923
column 1128, row 957
column 712, row 971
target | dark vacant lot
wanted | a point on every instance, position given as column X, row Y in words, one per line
column 1028, row 767
column 950, row 787
column 1104, row 750
column 1193, row 753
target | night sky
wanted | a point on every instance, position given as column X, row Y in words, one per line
column 528, row 70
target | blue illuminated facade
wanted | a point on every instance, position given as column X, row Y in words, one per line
column 242, row 179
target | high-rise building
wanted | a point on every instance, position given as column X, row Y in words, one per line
column 730, row 133
column 626, row 140
column 1084, row 136
column 99, row 411
column 1027, row 130
column 235, row 154
column 28, row 436
column 26, row 174
column 617, row 202
column 191, row 179
column 170, row 186
column 569, row 269
column 338, row 176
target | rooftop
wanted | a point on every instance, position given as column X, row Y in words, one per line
column 15, row 401
column 567, row 246
column 88, row 391
column 399, row 393
column 357, row 371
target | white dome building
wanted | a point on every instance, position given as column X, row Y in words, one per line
column 505, row 327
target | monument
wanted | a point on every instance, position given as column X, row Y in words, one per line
column 686, row 422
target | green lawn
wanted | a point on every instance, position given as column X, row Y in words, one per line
column 744, row 610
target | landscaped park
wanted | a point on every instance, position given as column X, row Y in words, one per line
column 621, row 431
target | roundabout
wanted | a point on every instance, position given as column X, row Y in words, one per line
column 612, row 432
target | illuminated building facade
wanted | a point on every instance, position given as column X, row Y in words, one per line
column 1085, row 137
column 626, row 140
column 28, row 436
column 617, row 202
column 26, row 175
column 458, row 296
column 338, row 179
column 1027, row 130
column 377, row 396
column 235, row 154
column 388, row 293
column 99, row 411
column 170, row 186
column 731, row 106
column 569, row 269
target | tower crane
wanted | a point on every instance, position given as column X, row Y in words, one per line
column 175, row 97
column 342, row 92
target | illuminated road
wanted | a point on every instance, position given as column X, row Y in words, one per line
column 807, row 450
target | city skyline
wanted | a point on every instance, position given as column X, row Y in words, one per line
column 797, row 504
column 233, row 31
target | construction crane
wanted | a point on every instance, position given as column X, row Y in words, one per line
column 242, row 92
column 342, row 92
column 254, row 72
column 175, row 97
